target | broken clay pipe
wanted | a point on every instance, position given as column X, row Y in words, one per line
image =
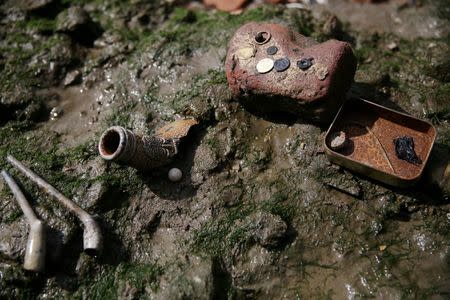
column 35, row 251
column 92, row 236
column 143, row 153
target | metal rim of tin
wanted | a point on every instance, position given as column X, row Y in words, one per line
column 262, row 37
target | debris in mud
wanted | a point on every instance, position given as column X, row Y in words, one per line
column 312, row 91
column 404, row 149
column 147, row 152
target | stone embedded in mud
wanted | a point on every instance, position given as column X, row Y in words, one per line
column 77, row 23
column 314, row 93
column 268, row 230
column 72, row 77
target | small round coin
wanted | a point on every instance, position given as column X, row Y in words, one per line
column 282, row 64
column 272, row 50
column 264, row 65
column 304, row 63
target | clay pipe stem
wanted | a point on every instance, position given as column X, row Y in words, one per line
column 20, row 197
column 92, row 237
column 35, row 250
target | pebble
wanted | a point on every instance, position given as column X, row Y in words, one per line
column 175, row 174
column 264, row 65
column 338, row 140
column 282, row 64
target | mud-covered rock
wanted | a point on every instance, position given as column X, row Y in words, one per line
column 267, row 229
column 72, row 77
column 301, row 77
column 13, row 239
column 76, row 22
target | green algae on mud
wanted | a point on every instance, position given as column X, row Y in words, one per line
column 336, row 236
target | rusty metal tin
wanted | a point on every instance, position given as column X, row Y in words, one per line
column 370, row 129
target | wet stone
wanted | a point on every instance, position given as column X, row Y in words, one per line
column 72, row 77
column 268, row 230
column 77, row 23
column 272, row 50
column 282, row 64
column 315, row 95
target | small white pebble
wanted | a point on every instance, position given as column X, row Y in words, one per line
column 175, row 174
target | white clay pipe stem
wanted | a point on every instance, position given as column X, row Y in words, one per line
column 35, row 251
column 92, row 236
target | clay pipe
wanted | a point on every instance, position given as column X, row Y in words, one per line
column 35, row 250
column 92, row 236
column 143, row 152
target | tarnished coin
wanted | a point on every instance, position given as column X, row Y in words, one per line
column 282, row 64
column 304, row 63
column 272, row 50
column 264, row 65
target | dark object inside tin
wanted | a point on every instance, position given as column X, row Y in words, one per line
column 404, row 149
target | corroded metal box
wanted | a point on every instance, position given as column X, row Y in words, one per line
column 370, row 131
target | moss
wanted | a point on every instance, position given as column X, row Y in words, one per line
column 12, row 216
column 41, row 24
column 279, row 205
column 111, row 281
column 221, row 234
column 188, row 30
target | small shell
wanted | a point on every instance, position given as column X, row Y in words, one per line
column 176, row 130
column 338, row 140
